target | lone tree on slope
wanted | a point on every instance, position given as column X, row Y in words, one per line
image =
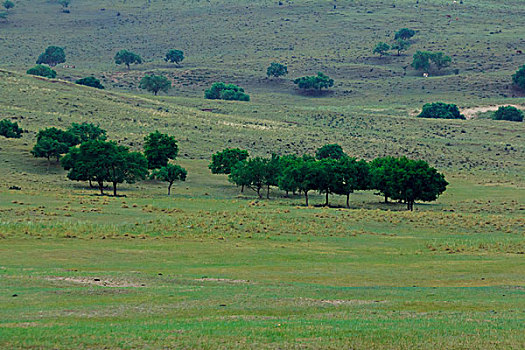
column 155, row 83
column 52, row 56
column 127, row 57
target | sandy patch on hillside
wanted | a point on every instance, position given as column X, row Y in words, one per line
column 471, row 113
column 95, row 281
column 226, row 280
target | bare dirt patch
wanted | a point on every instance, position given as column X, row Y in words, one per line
column 224, row 280
column 97, row 282
column 471, row 113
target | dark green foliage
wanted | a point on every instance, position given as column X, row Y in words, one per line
column 276, row 70
column 519, row 78
column 43, row 71
column 509, row 113
column 440, row 60
column 102, row 161
column 3, row 15
column 174, row 56
column 10, row 130
column 223, row 162
column 404, row 34
column 155, row 83
column 350, row 175
column 87, row 132
column 441, row 110
column 382, row 49
column 90, row 81
column 251, row 173
column 170, row 173
column 159, row 149
column 222, row 91
column 52, row 56
column 315, row 82
column 333, row 151
column 127, row 57
column 53, row 142
column 8, row 4
column 400, row 45
column 64, row 3
column 422, row 60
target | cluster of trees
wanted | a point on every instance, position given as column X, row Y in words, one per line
column 441, row 110
column 509, row 113
column 401, row 43
column 422, row 60
column 314, row 82
column 128, row 57
column 229, row 92
column 331, row 171
column 10, row 129
column 276, row 70
column 519, row 78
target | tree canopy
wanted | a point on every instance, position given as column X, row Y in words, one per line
column 43, row 71
column 87, row 132
column 404, row 33
column 127, row 57
column 333, row 151
column 381, row 49
column 174, row 56
column 400, row 45
column 10, row 129
column 276, row 70
column 423, row 59
column 159, row 149
column 441, row 110
column 90, row 81
column 8, row 4
column 52, row 56
column 155, row 83
column 170, row 173
column 230, row 92
column 315, row 82
column 53, row 142
column 222, row 162
column 518, row 78
column 509, row 113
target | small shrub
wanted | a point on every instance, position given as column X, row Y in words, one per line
column 90, row 81
column 230, row 92
column 508, row 113
column 10, row 130
column 43, row 71
column 519, row 78
column 441, row 110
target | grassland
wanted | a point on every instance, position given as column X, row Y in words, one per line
column 212, row 268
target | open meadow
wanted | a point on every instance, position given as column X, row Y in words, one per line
column 209, row 267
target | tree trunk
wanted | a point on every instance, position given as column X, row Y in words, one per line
column 259, row 192
column 127, row 64
column 326, row 202
column 169, row 188
column 115, row 189
column 268, row 192
column 155, row 92
column 348, row 200
column 101, row 187
column 386, row 199
column 90, row 184
column 306, row 196
column 242, row 189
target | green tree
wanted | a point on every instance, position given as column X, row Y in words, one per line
column 518, row 78
column 103, row 161
column 8, row 5
column 421, row 61
column 87, row 132
column 229, row 92
column 3, row 15
column 64, row 3
column 350, row 175
column 174, row 56
column 240, row 175
column 170, row 173
column 43, row 71
column 159, row 149
column 405, row 34
column 441, row 110
column 10, row 129
column 90, row 81
column 382, row 49
column 509, row 113
column 333, row 151
column 251, row 173
column 276, row 70
column 383, row 175
column 440, row 60
column 316, row 82
column 155, row 83
column 272, row 173
column 223, row 162
column 127, row 57
column 53, row 142
column 302, row 175
column 401, row 45
column 52, row 56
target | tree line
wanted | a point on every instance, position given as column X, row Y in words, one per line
column 331, row 171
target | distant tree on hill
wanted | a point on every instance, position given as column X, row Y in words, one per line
column 229, row 92
column 52, row 56
column 174, row 56
column 155, row 83
column 382, row 49
column 401, row 45
column 170, row 173
column 3, row 15
column 53, row 142
column 8, row 5
column 65, row 5
column 509, row 113
column 127, row 57
column 159, row 149
column 316, row 82
column 333, row 151
column 519, row 78
column 10, row 129
column 440, row 60
column 100, row 161
column 43, row 71
column 441, row 110
column 90, row 81
column 87, row 132
column 223, row 162
column 276, row 70
column 405, row 34
column 421, row 61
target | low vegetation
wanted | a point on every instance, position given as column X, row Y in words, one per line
column 509, row 113
column 10, row 129
column 229, row 92
column 42, row 71
column 441, row 110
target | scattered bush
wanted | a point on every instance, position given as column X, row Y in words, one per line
column 174, row 56
column 90, row 81
column 509, row 113
column 155, row 83
column 405, row 34
column 10, row 129
column 315, row 82
column 127, row 57
column 441, row 110
column 276, row 70
column 43, row 71
column 224, row 91
column 52, row 56
column 381, row 49
column 519, row 78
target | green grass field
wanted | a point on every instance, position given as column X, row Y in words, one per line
column 211, row 268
